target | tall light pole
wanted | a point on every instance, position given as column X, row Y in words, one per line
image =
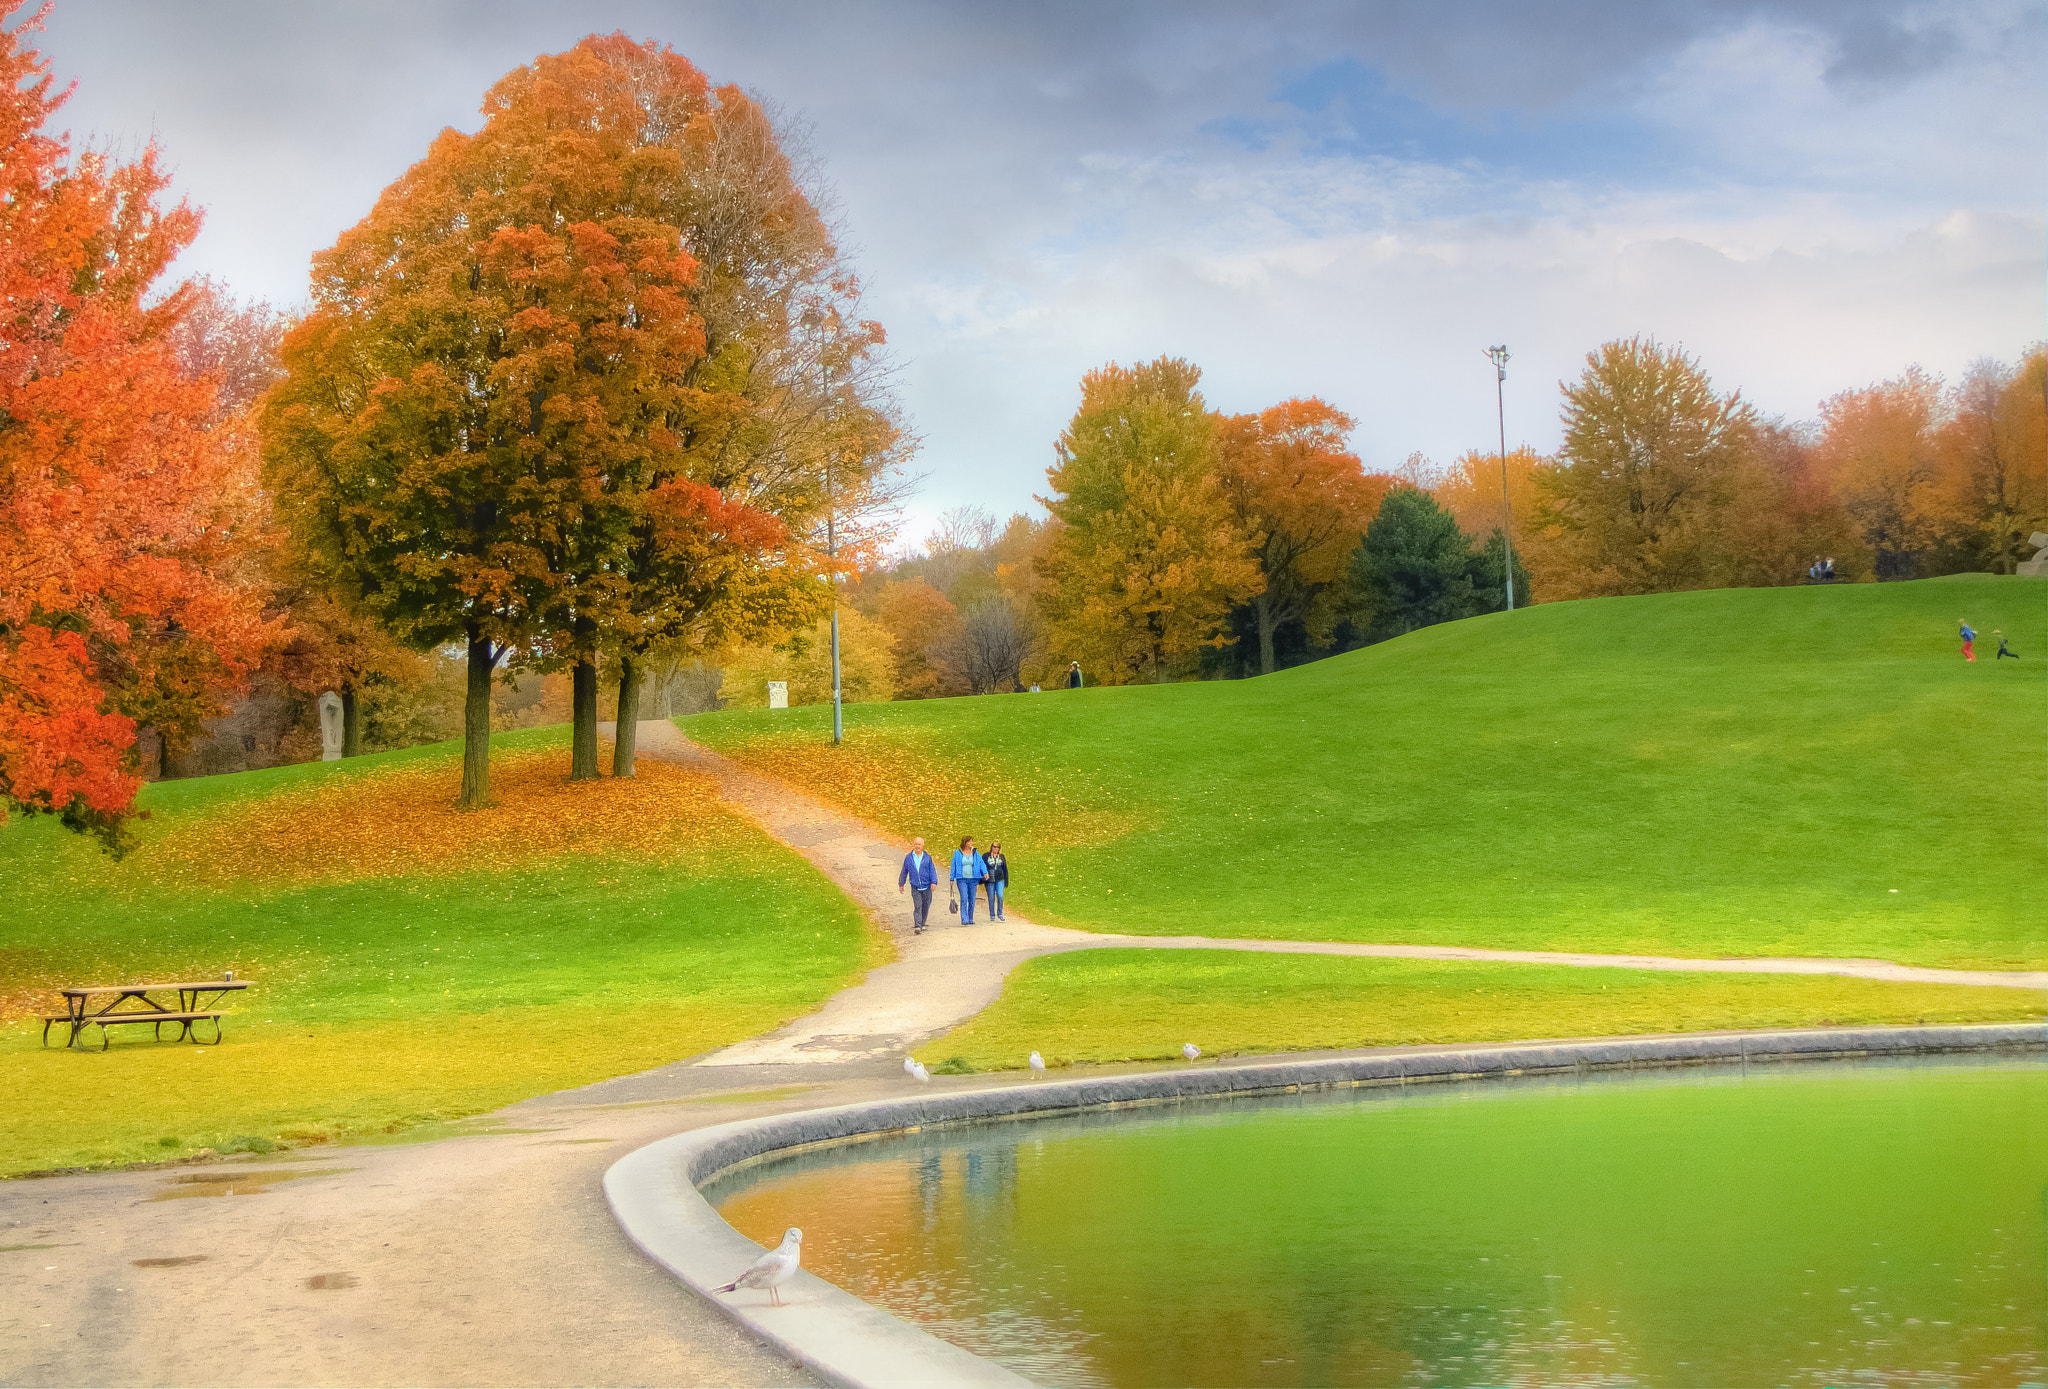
column 811, row 320
column 1499, row 357
column 832, row 565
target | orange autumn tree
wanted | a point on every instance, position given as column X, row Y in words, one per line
column 120, row 502
column 491, row 368
column 1297, row 487
column 1878, row 449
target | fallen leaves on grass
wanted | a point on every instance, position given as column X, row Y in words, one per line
column 402, row 822
column 914, row 789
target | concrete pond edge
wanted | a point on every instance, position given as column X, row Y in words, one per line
column 654, row 1191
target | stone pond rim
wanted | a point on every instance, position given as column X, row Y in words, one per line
column 654, row 1191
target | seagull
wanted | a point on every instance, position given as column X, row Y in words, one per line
column 910, row 1065
column 1190, row 1050
column 919, row 1073
column 774, row 1268
column 1037, row 1062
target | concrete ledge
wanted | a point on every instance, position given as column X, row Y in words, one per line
column 654, row 1191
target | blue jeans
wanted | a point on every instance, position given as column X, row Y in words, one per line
column 967, row 889
column 995, row 899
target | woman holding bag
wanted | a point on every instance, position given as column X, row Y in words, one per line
column 968, row 872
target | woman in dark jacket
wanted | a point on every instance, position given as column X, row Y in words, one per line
column 998, row 877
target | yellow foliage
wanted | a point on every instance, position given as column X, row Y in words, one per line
column 866, row 665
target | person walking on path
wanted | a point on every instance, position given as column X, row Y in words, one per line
column 968, row 871
column 2003, row 650
column 1074, row 676
column 1969, row 642
column 998, row 878
column 921, row 875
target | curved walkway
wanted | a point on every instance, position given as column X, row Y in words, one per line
column 952, row 972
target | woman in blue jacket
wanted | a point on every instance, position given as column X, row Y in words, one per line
column 968, row 871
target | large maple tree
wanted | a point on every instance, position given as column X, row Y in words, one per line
column 505, row 421
column 123, row 492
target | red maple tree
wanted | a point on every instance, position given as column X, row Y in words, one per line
column 120, row 489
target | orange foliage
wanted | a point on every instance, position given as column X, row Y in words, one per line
column 1302, row 497
column 400, row 822
column 120, row 490
column 920, row 618
column 1878, row 452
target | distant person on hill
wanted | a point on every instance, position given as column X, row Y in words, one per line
column 1827, row 570
column 1969, row 641
column 921, row 875
column 1813, row 572
column 998, row 878
column 2003, row 650
column 1074, row 676
column 968, row 872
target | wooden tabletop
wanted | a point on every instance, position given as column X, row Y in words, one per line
column 204, row 986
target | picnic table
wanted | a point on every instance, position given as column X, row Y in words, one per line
column 80, row 1011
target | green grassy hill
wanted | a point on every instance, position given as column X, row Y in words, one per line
column 410, row 962
column 1802, row 771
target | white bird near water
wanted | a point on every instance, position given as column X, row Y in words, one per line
column 919, row 1073
column 910, row 1065
column 774, row 1268
column 1037, row 1062
column 1190, row 1050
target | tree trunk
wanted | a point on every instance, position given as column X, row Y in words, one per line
column 351, row 722
column 476, row 726
column 629, row 717
column 1265, row 610
column 583, row 705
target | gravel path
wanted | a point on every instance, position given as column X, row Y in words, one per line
column 952, row 972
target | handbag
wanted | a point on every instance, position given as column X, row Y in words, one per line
column 952, row 902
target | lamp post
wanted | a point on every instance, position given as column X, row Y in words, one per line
column 832, row 566
column 812, row 319
column 1499, row 357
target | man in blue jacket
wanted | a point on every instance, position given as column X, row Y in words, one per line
column 922, row 875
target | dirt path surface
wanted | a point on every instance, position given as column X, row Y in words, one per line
column 489, row 1257
column 952, row 972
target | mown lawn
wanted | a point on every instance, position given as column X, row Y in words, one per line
column 411, row 963
column 1804, row 771
column 1141, row 1005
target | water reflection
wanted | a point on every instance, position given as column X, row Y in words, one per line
column 1880, row 1223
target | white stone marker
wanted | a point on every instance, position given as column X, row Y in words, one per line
column 778, row 694
column 330, row 727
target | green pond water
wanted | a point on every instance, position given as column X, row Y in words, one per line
column 1813, row 1224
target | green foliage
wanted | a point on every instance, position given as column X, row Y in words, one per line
column 1415, row 568
column 1742, row 771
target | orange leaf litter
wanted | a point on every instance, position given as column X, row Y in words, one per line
column 402, row 822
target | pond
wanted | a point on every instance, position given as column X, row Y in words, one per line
column 1812, row 1224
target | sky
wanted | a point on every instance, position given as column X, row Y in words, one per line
column 1350, row 200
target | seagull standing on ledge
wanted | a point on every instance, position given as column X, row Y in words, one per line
column 1037, row 1063
column 919, row 1073
column 774, row 1268
column 1190, row 1050
column 910, row 1065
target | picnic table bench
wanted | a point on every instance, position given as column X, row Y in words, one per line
column 79, row 1013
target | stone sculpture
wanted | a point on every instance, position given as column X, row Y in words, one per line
column 778, row 694
column 330, row 727
column 2037, row 567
